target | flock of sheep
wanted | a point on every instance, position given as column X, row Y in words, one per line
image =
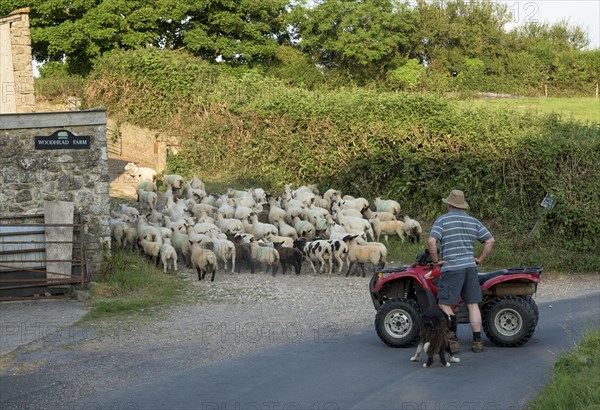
column 251, row 228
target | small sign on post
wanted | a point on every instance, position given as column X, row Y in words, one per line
column 63, row 139
column 548, row 202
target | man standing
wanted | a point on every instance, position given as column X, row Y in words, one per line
column 457, row 232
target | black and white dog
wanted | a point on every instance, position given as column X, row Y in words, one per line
column 434, row 338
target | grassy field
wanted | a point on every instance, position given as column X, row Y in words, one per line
column 580, row 109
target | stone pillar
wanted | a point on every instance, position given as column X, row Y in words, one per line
column 16, row 67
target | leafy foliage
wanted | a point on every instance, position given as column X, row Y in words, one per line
column 413, row 148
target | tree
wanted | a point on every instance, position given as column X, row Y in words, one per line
column 359, row 39
column 78, row 31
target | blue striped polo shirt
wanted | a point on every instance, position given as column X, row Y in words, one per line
column 457, row 232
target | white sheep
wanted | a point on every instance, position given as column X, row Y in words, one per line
column 305, row 229
column 168, row 255
column 174, row 182
column 387, row 205
column 356, row 203
column 204, row 261
column 129, row 211
column 151, row 249
column 387, row 228
column 276, row 213
column 264, row 254
column 286, row 230
column 228, row 225
column 412, row 229
column 148, row 198
column 196, row 183
column 383, row 216
column 182, row 245
column 351, row 223
column 144, row 174
column 259, row 229
column 146, row 186
column 118, row 230
column 361, row 254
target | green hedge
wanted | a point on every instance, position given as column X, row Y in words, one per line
column 411, row 147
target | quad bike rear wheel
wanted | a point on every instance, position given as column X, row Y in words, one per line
column 398, row 322
column 509, row 321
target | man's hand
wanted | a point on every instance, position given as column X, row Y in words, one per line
column 439, row 263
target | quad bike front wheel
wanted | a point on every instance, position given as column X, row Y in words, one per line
column 509, row 321
column 397, row 323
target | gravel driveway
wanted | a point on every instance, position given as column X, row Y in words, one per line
column 234, row 316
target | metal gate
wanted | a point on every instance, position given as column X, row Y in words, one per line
column 24, row 271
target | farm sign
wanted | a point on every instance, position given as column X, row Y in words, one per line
column 62, row 139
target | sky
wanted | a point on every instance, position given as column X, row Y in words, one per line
column 585, row 13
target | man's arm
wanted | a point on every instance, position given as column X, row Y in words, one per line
column 487, row 247
column 432, row 247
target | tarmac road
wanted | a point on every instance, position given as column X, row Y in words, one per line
column 359, row 372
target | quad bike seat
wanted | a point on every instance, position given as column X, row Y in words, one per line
column 485, row 276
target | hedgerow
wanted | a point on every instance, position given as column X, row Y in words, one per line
column 415, row 148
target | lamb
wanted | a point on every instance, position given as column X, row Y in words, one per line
column 168, row 254
column 289, row 257
column 131, row 212
column 316, row 251
column 355, row 224
column 201, row 207
column 181, row 243
column 387, row 228
column 383, row 216
column 387, row 205
column 331, row 195
column 357, row 203
column 276, row 213
column 412, row 229
column 339, row 249
column 283, row 240
column 224, row 249
column 361, row 254
column 286, row 230
column 307, row 198
column 144, row 174
column 228, row 225
column 148, row 198
column 147, row 232
column 151, row 249
column 118, row 230
column 174, row 182
column 261, row 230
column 264, row 254
column 204, row 261
column 196, row 183
column 259, row 195
column 243, row 251
column 146, row 186
column 305, row 229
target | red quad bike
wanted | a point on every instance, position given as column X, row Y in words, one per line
column 509, row 313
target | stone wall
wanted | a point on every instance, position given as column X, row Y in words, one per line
column 146, row 147
column 16, row 70
column 29, row 176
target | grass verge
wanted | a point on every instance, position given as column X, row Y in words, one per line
column 576, row 380
column 131, row 285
